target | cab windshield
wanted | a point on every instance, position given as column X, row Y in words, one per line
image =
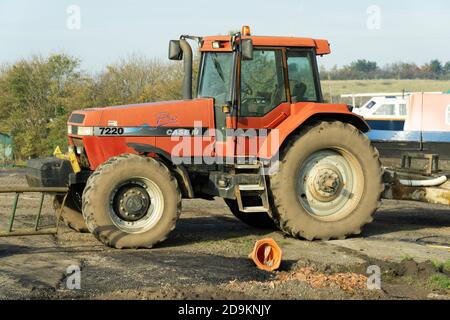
column 215, row 76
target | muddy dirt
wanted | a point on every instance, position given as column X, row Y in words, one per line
column 206, row 257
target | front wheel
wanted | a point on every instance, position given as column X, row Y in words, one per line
column 131, row 201
column 328, row 184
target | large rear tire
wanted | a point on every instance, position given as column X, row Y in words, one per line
column 131, row 201
column 328, row 184
column 71, row 213
column 260, row 220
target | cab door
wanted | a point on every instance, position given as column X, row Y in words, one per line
column 264, row 98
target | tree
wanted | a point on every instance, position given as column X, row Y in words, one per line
column 36, row 94
column 137, row 79
column 401, row 70
column 447, row 68
column 436, row 67
column 364, row 66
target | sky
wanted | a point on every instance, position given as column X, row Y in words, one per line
column 100, row 32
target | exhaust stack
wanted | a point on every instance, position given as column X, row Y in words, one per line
column 188, row 61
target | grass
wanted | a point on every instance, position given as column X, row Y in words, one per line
column 406, row 257
column 440, row 281
column 334, row 88
column 442, row 266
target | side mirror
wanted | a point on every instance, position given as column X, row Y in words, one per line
column 247, row 49
column 175, row 52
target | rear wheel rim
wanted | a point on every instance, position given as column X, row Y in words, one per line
column 329, row 184
column 136, row 205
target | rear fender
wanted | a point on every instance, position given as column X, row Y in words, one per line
column 303, row 114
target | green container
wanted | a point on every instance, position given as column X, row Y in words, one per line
column 6, row 152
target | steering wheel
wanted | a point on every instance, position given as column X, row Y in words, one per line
column 257, row 100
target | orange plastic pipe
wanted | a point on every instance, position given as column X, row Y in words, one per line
column 266, row 254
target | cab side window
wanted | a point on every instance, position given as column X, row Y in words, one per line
column 262, row 83
column 301, row 76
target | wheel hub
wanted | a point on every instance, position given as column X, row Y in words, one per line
column 133, row 203
column 326, row 184
column 136, row 205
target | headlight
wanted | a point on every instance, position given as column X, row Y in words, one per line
column 80, row 131
column 79, row 150
column 85, row 131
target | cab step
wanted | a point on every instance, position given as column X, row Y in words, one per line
column 247, row 166
column 251, row 187
column 247, row 192
column 255, row 209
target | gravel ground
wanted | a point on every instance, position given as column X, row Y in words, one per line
column 206, row 257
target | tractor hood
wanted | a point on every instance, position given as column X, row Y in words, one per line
column 157, row 114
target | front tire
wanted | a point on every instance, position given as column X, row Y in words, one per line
column 71, row 212
column 131, row 201
column 328, row 184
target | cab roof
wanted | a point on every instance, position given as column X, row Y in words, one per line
column 322, row 46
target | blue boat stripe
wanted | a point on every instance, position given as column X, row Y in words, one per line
column 415, row 136
column 389, row 135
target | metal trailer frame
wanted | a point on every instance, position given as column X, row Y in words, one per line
column 428, row 185
column 18, row 190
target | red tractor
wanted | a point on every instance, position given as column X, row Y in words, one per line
column 257, row 134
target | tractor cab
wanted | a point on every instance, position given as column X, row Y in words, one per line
column 252, row 79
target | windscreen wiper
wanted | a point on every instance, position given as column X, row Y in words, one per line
column 218, row 68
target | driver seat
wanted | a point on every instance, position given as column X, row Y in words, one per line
column 298, row 91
